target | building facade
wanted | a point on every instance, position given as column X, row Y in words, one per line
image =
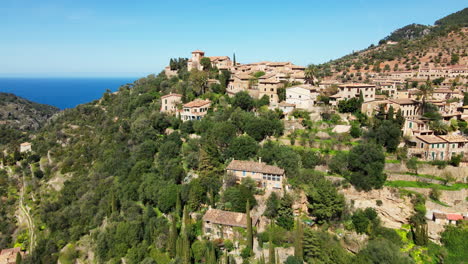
column 267, row 177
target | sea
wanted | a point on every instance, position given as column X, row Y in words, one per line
column 62, row 92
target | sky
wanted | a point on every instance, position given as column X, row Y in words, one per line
column 102, row 38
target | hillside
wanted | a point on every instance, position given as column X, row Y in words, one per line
column 408, row 48
column 17, row 112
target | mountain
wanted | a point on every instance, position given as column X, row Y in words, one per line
column 17, row 112
column 407, row 48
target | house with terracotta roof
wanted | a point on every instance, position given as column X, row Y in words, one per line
column 267, row 176
column 432, row 147
column 408, row 107
column 456, row 145
column 9, row 255
column 169, row 102
column 225, row 224
column 238, row 83
column 25, row 147
column 195, row 110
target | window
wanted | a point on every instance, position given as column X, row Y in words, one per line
column 410, row 125
column 165, row 101
column 243, row 173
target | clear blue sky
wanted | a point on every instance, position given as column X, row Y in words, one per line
column 134, row 38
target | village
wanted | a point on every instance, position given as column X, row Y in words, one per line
column 398, row 90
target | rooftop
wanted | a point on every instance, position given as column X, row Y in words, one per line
column 171, row 95
column 254, row 166
column 403, row 101
column 227, row 218
column 356, row 85
column 431, row 139
column 197, row 103
column 454, row 138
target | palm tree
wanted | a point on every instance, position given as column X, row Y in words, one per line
column 425, row 90
column 310, row 74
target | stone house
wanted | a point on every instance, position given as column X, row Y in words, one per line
column 169, row 102
column 303, row 96
column 195, row 110
column 194, row 62
column 25, row 147
column 219, row 224
column 431, row 147
column 352, row 90
column 238, row 83
column 268, row 177
column 416, row 127
column 408, row 107
column 456, row 145
column 269, row 87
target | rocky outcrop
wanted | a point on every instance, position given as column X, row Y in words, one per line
column 393, row 209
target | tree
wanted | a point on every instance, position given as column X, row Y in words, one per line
column 455, row 58
column 425, row 90
column 412, row 164
column 271, row 252
column 272, row 205
column 325, row 203
column 399, row 119
column 172, row 242
column 298, row 240
column 199, row 81
column 285, row 218
column 310, row 73
column 293, row 260
column 465, row 98
column 387, row 134
column 242, row 148
column 249, row 226
column 390, row 113
column 355, row 130
column 339, row 163
column 454, row 239
column 205, row 62
column 321, row 247
column 243, row 100
column 381, row 251
column 366, row 164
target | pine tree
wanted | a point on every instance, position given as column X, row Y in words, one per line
column 400, row 119
column 390, row 113
column 178, row 208
column 277, row 258
column 172, row 242
column 298, row 241
column 186, row 220
column 234, row 58
column 249, row 227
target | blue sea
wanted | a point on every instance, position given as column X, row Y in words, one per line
column 61, row 92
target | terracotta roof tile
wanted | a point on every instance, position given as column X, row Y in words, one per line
column 197, row 103
column 170, row 95
column 227, row 218
column 254, row 167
